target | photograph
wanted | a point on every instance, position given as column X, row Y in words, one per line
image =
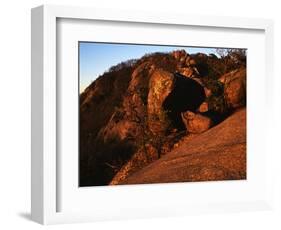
column 150, row 113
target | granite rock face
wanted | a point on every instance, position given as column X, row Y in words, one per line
column 195, row 122
column 235, row 88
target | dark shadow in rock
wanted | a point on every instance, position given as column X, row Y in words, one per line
column 216, row 117
column 187, row 94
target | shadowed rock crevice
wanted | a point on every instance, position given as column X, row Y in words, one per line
column 187, row 95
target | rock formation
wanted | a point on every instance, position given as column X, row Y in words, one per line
column 196, row 123
column 159, row 110
column 235, row 88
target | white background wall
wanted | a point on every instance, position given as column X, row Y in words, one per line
column 15, row 113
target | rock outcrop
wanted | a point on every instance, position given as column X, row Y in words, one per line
column 235, row 88
column 195, row 122
column 160, row 87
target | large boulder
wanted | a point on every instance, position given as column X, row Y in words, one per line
column 160, row 86
column 235, row 88
column 195, row 122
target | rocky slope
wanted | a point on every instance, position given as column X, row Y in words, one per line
column 217, row 154
column 141, row 111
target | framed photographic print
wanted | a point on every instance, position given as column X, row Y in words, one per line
column 141, row 114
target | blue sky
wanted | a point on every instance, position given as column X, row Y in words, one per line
column 96, row 58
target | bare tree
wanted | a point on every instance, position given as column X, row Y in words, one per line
column 140, row 116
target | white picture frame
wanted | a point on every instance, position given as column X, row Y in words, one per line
column 44, row 172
